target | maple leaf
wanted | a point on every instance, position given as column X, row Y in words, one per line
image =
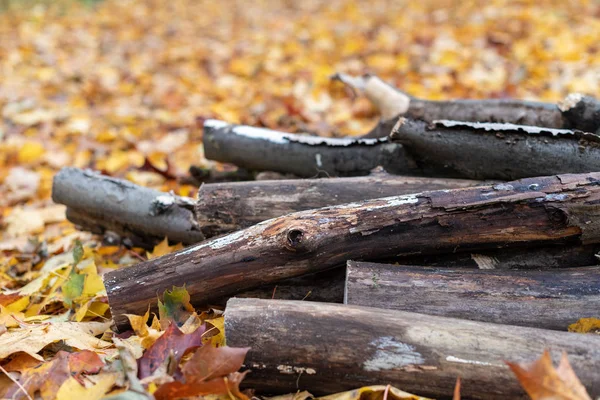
column 163, row 248
column 586, row 325
column 542, row 381
column 211, row 370
column 373, row 393
column 172, row 341
column 175, row 306
column 48, row 377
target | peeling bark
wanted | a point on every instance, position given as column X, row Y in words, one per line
column 496, row 151
column 554, row 209
column 305, row 156
column 550, row 299
column 226, row 207
column 574, row 112
column 104, row 204
column 329, row 348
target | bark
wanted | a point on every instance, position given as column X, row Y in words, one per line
column 301, row 155
column 227, row 207
column 496, row 151
column 104, row 204
column 328, row 348
column 551, row 299
column 574, row 112
column 555, row 209
column 513, row 258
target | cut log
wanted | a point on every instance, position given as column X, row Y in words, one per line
column 226, row 207
column 551, row 299
column 328, row 348
column 574, row 112
column 496, row 151
column 145, row 216
column 302, row 155
column 554, row 209
column 542, row 257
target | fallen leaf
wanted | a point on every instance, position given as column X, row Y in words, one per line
column 373, row 393
column 175, row 306
column 172, row 340
column 33, row 338
column 586, row 325
column 163, row 248
column 73, row 389
column 542, row 381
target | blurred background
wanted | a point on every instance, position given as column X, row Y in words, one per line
column 123, row 86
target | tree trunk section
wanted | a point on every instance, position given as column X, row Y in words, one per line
column 555, row 209
column 551, row 299
column 329, row 348
column 302, row 155
column 496, row 151
column 226, row 207
column 146, row 216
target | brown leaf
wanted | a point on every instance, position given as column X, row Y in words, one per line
column 456, row 395
column 542, row 381
column 211, row 370
column 173, row 340
column 49, row 376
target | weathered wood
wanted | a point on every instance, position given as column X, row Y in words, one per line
column 227, row 207
column 146, row 216
column 536, row 257
column 554, row 209
column 574, row 112
column 496, row 151
column 302, row 155
column 328, row 348
column 551, row 299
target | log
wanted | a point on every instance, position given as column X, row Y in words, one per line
column 302, row 155
column 226, row 207
column 104, row 204
column 329, row 348
column 496, row 151
column 550, row 299
column 554, row 209
column 576, row 111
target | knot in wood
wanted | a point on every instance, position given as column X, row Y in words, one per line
column 296, row 239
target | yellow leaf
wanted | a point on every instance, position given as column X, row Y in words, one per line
column 32, row 339
column 218, row 324
column 31, row 152
column 163, row 248
column 586, row 325
column 93, row 286
column 373, row 393
column 72, row 389
column 18, row 305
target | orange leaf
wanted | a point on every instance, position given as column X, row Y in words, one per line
column 542, row 381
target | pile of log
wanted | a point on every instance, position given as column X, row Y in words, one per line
column 409, row 256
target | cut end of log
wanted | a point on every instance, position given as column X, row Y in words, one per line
column 570, row 101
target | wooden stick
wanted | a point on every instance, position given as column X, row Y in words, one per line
column 329, row 348
column 574, row 112
column 497, row 151
column 551, row 299
column 145, row 215
column 226, row 207
column 555, row 209
column 302, row 155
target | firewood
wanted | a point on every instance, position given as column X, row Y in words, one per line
column 329, row 348
column 226, row 207
column 554, row 209
column 551, row 299
column 302, row 155
column 496, row 151
column 145, row 216
column 574, row 112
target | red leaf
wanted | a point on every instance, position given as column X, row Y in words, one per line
column 173, row 340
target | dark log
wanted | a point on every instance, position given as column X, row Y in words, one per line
column 554, row 209
column 227, row 207
column 496, row 151
column 145, row 216
column 513, row 258
column 574, row 112
column 551, row 299
column 302, row 155
column 329, row 348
